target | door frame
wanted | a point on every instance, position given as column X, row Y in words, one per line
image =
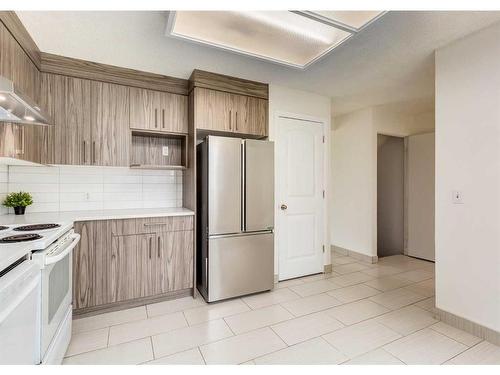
column 274, row 136
column 404, row 138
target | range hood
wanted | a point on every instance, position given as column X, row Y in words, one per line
column 19, row 108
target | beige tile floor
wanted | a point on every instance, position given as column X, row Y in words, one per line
column 358, row 314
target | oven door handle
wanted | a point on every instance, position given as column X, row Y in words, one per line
column 57, row 257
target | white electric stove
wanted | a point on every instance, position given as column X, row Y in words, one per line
column 49, row 247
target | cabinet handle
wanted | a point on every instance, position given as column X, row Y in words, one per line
column 236, row 120
column 84, row 152
column 156, row 117
column 22, row 139
column 153, row 224
column 206, row 271
column 93, row 152
column 159, row 239
column 163, row 118
column 150, row 246
column 230, row 118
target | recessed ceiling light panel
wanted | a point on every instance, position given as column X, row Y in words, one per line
column 284, row 37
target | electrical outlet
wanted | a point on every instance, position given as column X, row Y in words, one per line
column 457, row 197
column 164, row 150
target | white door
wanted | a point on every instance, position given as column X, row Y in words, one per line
column 300, row 202
column 420, row 204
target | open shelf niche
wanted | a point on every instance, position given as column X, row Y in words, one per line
column 147, row 151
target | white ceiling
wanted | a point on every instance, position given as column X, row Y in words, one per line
column 390, row 61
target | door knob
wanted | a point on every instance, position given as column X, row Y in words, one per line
column 284, row 207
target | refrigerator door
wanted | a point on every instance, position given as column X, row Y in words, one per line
column 259, row 185
column 224, row 185
column 240, row 264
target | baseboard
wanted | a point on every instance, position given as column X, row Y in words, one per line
column 354, row 254
column 466, row 325
column 95, row 310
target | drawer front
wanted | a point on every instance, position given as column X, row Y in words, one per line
column 164, row 224
column 151, row 225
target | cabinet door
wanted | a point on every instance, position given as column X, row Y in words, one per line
column 142, row 109
column 257, row 110
column 173, row 115
column 52, row 98
column 17, row 66
column 110, row 125
column 73, row 141
column 91, row 258
column 213, row 110
column 131, row 274
column 251, row 115
column 174, row 262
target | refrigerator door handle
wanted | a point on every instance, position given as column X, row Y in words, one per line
column 243, row 185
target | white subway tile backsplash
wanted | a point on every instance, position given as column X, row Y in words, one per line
column 70, row 188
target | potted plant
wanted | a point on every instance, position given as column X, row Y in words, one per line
column 19, row 201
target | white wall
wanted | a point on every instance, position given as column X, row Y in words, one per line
column 351, row 208
column 4, row 187
column 305, row 105
column 69, row 188
column 468, row 159
column 354, row 171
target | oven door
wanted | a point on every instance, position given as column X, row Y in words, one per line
column 56, row 290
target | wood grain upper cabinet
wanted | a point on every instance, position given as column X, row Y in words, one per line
column 17, row 66
column 213, row 110
column 73, row 136
column 251, row 116
column 227, row 112
column 110, row 143
column 159, row 111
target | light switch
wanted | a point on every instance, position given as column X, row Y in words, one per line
column 457, row 197
column 164, row 150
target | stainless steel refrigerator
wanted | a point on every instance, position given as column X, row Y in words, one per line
column 235, row 217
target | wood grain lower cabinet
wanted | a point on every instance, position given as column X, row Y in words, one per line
column 124, row 262
column 174, row 262
column 91, row 262
column 131, row 272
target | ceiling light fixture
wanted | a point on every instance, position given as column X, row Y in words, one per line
column 292, row 38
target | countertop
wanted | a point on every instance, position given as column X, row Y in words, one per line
column 65, row 216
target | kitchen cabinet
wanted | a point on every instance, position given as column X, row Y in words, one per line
column 213, row 110
column 73, row 135
column 159, row 111
column 17, row 66
column 110, row 134
column 91, row 262
column 131, row 262
column 90, row 121
column 231, row 113
column 131, row 272
column 174, row 264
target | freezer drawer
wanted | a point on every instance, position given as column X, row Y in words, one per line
column 240, row 265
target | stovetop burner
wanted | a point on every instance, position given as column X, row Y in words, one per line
column 27, row 228
column 20, row 238
column 2, row 227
